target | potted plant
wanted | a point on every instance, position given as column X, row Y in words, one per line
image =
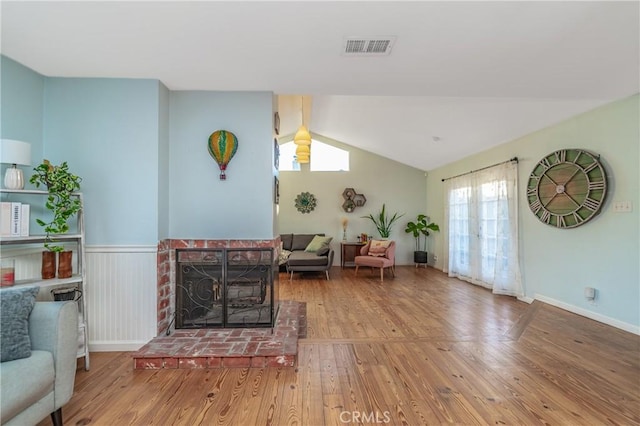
column 61, row 184
column 383, row 222
column 421, row 228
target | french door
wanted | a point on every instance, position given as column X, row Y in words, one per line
column 482, row 228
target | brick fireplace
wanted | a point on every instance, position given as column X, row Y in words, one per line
column 166, row 295
column 262, row 347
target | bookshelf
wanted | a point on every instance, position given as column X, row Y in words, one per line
column 77, row 280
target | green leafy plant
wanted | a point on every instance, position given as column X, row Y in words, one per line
column 61, row 184
column 421, row 228
column 383, row 222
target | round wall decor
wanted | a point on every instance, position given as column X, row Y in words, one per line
column 305, row 202
column 567, row 188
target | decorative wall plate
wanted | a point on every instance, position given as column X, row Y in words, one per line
column 305, row 202
column 567, row 188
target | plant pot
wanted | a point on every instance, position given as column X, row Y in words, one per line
column 420, row 257
column 65, row 269
column 48, row 270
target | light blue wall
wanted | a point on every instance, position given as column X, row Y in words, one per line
column 202, row 205
column 21, row 115
column 604, row 253
column 107, row 130
column 163, row 162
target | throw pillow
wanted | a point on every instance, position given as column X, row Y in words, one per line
column 283, row 257
column 378, row 248
column 318, row 243
column 323, row 251
column 16, row 305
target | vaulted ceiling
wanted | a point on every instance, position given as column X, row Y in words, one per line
column 461, row 76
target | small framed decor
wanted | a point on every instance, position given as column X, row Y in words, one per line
column 276, row 190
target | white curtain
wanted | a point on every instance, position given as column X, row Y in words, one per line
column 481, row 212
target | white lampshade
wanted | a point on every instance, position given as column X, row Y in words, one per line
column 14, row 152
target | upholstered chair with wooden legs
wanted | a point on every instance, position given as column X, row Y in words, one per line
column 378, row 254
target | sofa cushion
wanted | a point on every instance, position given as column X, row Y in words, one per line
column 305, row 258
column 20, row 390
column 301, row 241
column 16, row 305
column 286, row 240
column 378, row 247
column 318, row 243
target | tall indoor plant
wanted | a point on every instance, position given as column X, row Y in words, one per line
column 420, row 228
column 383, row 222
column 61, row 184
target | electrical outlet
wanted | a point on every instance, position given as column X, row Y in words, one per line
column 622, row 206
column 435, row 258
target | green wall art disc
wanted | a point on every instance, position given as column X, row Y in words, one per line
column 305, row 202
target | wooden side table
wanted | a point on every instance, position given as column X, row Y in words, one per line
column 348, row 252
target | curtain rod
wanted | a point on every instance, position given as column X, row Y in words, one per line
column 514, row 159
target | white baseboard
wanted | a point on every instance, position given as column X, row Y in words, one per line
column 526, row 299
column 115, row 346
column 591, row 315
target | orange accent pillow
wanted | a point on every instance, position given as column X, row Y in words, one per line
column 378, row 248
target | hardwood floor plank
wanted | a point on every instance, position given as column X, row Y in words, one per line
column 420, row 349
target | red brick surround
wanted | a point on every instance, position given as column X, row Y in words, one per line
column 166, row 269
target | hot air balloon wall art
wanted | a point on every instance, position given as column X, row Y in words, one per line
column 222, row 147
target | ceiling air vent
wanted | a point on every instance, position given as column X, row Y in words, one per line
column 368, row 46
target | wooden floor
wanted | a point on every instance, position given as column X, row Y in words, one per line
column 420, row 349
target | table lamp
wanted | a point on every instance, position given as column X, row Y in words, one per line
column 14, row 152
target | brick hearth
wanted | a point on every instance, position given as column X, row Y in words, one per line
column 236, row 347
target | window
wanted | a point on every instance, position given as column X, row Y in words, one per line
column 324, row 158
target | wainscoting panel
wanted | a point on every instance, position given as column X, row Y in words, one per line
column 121, row 287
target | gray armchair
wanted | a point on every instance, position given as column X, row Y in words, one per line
column 33, row 387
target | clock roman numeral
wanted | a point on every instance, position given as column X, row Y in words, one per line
column 545, row 163
column 546, row 216
column 531, row 191
column 591, row 204
column 577, row 218
column 590, row 167
column 561, row 156
column 596, row 185
column 575, row 160
column 536, row 206
column 560, row 223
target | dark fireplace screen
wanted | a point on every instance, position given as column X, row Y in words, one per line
column 226, row 288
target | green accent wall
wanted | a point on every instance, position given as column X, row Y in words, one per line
column 557, row 264
column 400, row 187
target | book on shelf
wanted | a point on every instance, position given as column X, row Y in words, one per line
column 5, row 219
column 14, row 219
column 24, row 220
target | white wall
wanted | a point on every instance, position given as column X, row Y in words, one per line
column 401, row 188
column 604, row 253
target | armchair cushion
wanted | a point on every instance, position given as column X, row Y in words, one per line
column 378, row 248
column 16, row 305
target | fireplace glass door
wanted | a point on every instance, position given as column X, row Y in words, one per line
column 226, row 288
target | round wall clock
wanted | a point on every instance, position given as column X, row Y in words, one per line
column 567, row 188
column 305, row 202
